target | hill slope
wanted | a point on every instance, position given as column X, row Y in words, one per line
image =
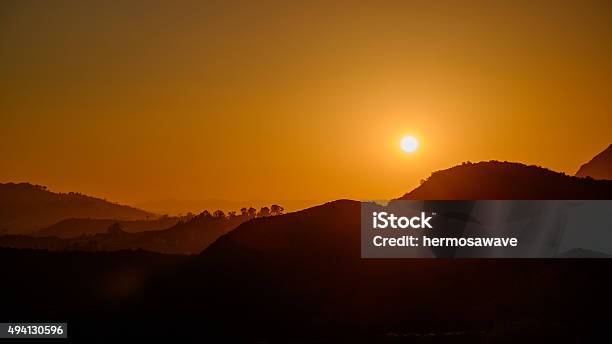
column 26, row 207
column 183, row 238
column 72, row 228
column 600, row 167
column 504, row 180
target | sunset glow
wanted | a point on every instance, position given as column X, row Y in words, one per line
column 270, row 101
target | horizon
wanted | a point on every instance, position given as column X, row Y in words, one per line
column 189, row 101
column 179, row 207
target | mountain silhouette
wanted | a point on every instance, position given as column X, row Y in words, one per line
column 25, row 208
column 299, row 277
column 72, row 228
column 331, row 232
column 600, row 167
column 185, row 237
column 303, row 273
column 505, row 180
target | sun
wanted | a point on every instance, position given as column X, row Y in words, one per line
column 409, row 144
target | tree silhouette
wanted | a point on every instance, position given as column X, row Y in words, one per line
column 263, row 212
column 252, row 212
column 243, row 211
column 219, row 214
column 189, row 216
column 276, row 209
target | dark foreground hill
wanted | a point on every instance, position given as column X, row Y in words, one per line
column 600, row 167
column 25, row 208
column 65, row 285
column 299, row 278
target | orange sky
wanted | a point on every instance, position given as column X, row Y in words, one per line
column 139, row 101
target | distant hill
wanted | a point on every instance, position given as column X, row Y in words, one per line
column 184, row 237
column 188, row 237
column 25, row 208
column 600, row 167
column 72, row 228
column 505, row 180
